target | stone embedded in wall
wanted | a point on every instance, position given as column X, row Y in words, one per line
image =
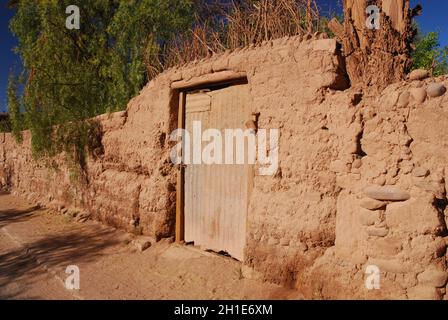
column 377, row 232
column 433, row 277
column 419, row 94
column 403, row 100
column 418, row 74
column 390, row 100
column 435, row 90
column 380, row 181
column 357, row 163
column 390, row 265
column 420, row 172
column 372, row 204
column 386, row 193
column 413, row 217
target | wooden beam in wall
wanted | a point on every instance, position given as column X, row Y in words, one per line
column 217, row 77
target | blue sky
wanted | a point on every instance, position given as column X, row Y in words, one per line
column 7, row 58
column 434, row 18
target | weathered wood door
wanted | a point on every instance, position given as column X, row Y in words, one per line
column 216, row 195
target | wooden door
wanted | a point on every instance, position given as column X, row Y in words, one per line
column 216, row 195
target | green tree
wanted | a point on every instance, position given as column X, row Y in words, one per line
column 72, row 75
column 5, row 123
column 15, row 116
column 140, row 29
column 429, row 55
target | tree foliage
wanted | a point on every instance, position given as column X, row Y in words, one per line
column 72, row 75
column 429, row 55
column 5, row 123
column 15, row 118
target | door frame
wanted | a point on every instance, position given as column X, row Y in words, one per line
column 182, row 92
column 180, row 188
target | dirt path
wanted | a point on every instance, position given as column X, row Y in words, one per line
column 36, row 246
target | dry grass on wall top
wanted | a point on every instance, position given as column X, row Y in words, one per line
column 241, row 24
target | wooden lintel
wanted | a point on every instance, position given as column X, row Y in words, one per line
column 217, row 77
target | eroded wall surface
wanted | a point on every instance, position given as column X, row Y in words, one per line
column 317, row 223
column 391, row 208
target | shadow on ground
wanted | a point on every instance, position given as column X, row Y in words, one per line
column 77, row 246
column 11, row 216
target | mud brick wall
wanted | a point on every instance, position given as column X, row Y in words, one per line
column 317, row 223
column 391, row 207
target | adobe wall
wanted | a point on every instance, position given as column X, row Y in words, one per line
column 402, row 152
column 307, row 227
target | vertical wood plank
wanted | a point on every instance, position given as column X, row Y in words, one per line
column 180, row 218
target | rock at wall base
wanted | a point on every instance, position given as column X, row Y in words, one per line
column 142, row 243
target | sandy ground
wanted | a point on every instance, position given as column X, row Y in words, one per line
column 36, row 246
